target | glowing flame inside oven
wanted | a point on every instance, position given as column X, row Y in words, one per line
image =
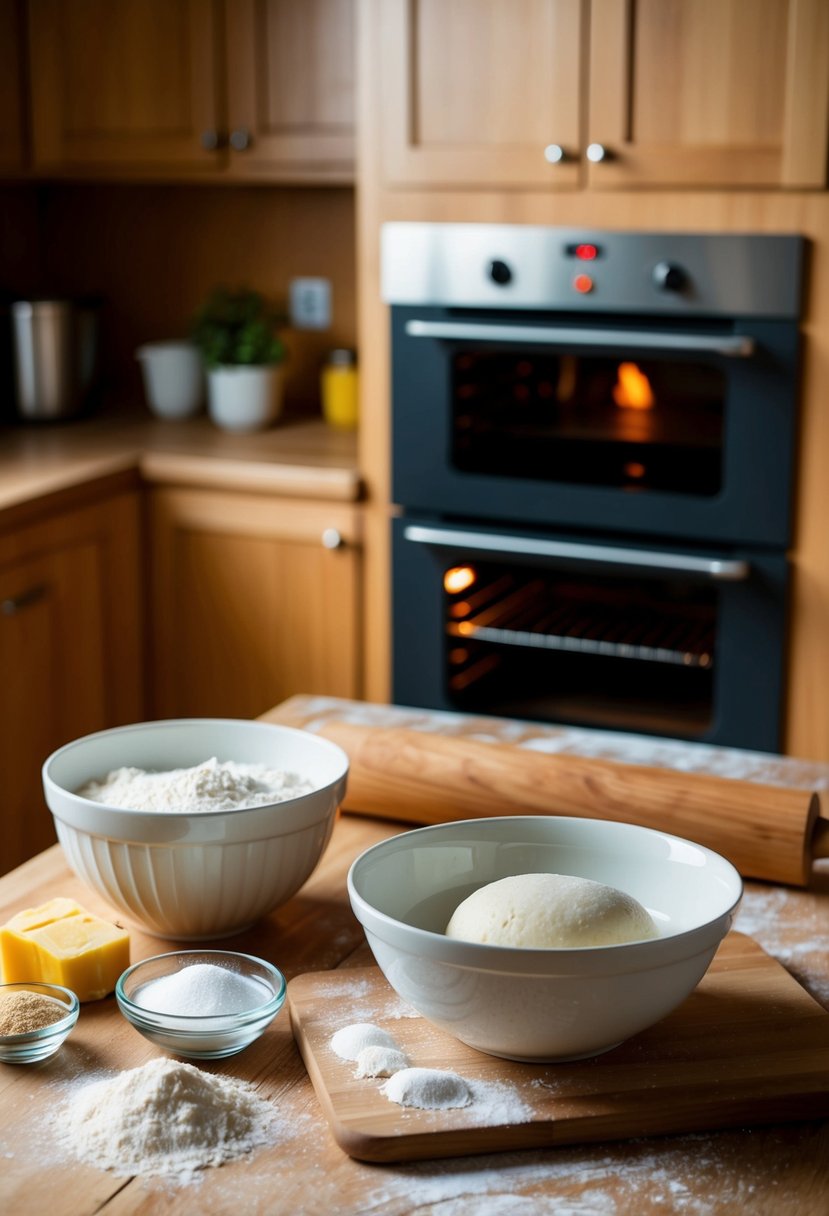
column 632, row 389
column 458, row 578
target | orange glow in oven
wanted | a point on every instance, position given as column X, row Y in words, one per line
column 632, row 389
column 634, row 470
column 458, row 579
column 583, row 283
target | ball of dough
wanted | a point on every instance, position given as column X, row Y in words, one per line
column 550, row 910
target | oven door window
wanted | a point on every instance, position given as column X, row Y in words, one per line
column 595, row 650
column 644, row 424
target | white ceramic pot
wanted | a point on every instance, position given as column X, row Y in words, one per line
column 173, row 378
column 244, row 398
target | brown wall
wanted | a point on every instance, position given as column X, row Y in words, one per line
column 153, row 252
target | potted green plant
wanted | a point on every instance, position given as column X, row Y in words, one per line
column 236, row 332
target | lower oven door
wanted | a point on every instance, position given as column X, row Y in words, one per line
column 682, row 644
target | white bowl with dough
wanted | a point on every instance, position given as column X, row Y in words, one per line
column 195, row 875
column 541, row 1004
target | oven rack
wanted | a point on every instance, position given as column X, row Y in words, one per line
column 581, row 645
column 527, row 616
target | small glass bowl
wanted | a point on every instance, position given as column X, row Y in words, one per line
column 35, row 1045
column 194, row 1035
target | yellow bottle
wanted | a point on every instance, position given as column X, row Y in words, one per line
column 340, row 405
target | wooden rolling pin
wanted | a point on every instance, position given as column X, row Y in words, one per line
column 767, row 831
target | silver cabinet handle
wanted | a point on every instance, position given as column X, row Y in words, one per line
column 211, row 141
column 737, row 346
column 18, row 603
column 597, row 153
column 722, row 570
column 554, row 154
column 332, row 539
column 240, row 139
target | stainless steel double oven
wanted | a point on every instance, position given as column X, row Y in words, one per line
column 593, row 453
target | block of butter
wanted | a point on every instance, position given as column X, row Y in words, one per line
column 61, row 943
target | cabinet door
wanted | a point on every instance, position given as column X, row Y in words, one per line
column 476, row 91
column 250, row 606
column 12, row 144
column 714, row 93
column 130, row 86
column 70, row 641
column 290, row 77
column 53, row 687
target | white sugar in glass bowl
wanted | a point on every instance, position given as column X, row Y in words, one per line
column 195, row 875
column 541, row 1004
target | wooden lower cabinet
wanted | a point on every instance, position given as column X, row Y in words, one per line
column 254, row 599
column 70, row 651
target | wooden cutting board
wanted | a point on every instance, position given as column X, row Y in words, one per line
column 749, row 1046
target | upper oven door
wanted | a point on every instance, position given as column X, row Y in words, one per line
column 681, row 427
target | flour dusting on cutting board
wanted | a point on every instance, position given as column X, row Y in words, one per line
column 687, row 757
column 764, row 915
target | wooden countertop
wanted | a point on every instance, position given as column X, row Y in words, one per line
column 298, row 457
column 771, row 1171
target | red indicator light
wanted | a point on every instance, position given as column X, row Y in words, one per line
column 583, row 283
column 587, row 253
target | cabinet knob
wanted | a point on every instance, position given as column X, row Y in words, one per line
column 597, row 153
column 240, row 139
column 211, row 141
column 554, row 154
column 18, row 603
column 332, row 539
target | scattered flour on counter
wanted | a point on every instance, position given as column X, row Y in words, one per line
column 165, row 1119
column 380, row 1062
column 348, row 1042
column 427, row 1089
column 211, row 786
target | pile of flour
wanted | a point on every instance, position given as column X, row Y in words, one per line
column 211, row 786
column 165, row 1119
column 378, row 1054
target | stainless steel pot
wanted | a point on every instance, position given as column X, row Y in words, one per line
column 55, row 345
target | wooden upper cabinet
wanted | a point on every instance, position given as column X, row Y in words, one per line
column 716, row 93
column 254, row 89
column 686, row 93
column 475, row 91
column 131, row 85
column 290, row 82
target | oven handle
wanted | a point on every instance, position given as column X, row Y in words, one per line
column 721, row 570
column 737, row 346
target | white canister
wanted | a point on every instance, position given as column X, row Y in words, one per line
column 173, row 378
column 244, row 397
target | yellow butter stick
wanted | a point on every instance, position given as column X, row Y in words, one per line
column 59, row 942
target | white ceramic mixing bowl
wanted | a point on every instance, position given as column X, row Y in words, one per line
column 190, row 875
column 541, row 1004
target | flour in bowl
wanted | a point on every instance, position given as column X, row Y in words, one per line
column 213, row 785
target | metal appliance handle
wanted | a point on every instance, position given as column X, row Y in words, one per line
column 729, row 571
column 737, row 346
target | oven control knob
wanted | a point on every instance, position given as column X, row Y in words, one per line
column 500, row 272
column 669, row 277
